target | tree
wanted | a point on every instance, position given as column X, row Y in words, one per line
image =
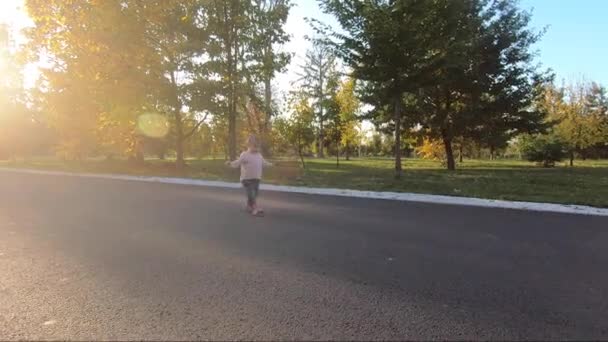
column 177, row 32
column 332, row 111
column 298, row 129
column 268, row 21
column 544, row 149
column 19, row 131
column 485, row 82
column 319, row 78
column 597, row 103
column 597, row 99
column 578, row 121
column 110, row 62
column 432, row 150
column 349, row 107
column 386, row 45
column 376, row 143
column 70, row 84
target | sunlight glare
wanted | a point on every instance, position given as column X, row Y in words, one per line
column 153, row 125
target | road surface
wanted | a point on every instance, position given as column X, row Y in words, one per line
column 100, row 259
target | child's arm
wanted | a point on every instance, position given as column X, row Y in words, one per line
column 266, row 162
column 235, row 164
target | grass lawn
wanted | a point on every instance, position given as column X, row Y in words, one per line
column 586, row 183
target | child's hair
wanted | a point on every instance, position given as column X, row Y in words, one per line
column 252, row 143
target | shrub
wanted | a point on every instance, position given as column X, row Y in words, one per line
column 543, row 149
column 431, row 150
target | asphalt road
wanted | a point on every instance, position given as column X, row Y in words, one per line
column 96, row 259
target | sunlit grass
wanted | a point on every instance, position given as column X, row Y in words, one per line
column 586, row 183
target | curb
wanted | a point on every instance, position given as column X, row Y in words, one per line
column 393, row 196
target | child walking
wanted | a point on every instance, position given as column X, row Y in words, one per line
column 251, row 163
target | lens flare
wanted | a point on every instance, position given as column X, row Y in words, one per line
column 153, row 125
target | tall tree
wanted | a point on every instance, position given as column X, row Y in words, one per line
column 386, row 45
column 19, row 132
column 349, row 107
column 227, row 63
column 597, row 102
column 319, row 77
column 177, row 32
column 79, row 42
column 298, row 129
column 268, row 18
column 467, row 62
column 485, row 79
column 597, row 99
column 577, row 124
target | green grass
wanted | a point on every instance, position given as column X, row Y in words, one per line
column 586, row 183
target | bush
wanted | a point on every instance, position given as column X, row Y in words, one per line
column 543, row 149
column 432, row 150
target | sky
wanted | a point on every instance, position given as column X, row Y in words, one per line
column 575, row 45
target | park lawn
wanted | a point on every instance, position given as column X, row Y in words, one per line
column 586, row 183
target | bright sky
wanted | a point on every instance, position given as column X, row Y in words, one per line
column 11, row 13
column 575, row 45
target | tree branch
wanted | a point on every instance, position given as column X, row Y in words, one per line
column 196, row 127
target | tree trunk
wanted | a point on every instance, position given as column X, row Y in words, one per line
column 302, row 159
column 398, row 166
column 139, row 157
column 460, row 154
column 179, row 141
column 492, row 153
column 232, row 59
column 268, row 104
column 232, row 132
column 320, row 153
column 347, row 152
column 449, row 152
column 572, row 158
column 299, row 150
column 179, row 129
column 337, row 155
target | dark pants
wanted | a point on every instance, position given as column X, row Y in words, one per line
column 252, row 187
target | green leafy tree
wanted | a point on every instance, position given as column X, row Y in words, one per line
column 467, row 63
column 349, row 107
column 485, row 81
column 319, row 79
column 268, row 19
column 386, row 44
column 178, row 34
column 375, row 145
column 298, row 129
column 577, row 122
column 597, row 103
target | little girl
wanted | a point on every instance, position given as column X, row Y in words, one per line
column 251, row 163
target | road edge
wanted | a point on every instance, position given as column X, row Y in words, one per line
column 393, row 196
